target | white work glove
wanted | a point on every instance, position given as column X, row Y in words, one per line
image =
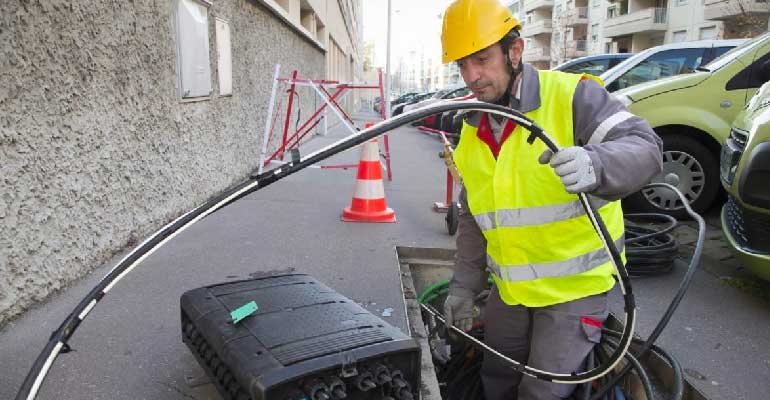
column 574, row 168
column 459, row 312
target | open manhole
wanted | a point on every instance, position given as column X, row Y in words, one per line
column 422, row 268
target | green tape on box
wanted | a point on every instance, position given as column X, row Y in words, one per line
column 243, row 311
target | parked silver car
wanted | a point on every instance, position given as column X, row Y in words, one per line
column 664, row 61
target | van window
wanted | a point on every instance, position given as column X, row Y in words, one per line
column 615, row 61
column 718, row 51
column 661, row 65
column 714, row 53
column 739, row 51
column 751, row 76
column 593, row 67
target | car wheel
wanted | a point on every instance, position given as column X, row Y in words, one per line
column 689, row 166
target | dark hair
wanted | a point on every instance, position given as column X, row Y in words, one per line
column 508, row 39
column 505, row 45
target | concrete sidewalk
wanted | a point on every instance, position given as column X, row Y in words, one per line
column 130, row 346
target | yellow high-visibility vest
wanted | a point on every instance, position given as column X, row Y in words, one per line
column 541, row 246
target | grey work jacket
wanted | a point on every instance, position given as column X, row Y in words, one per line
column 625, row 152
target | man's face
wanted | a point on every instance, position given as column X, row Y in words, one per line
column 486, row 73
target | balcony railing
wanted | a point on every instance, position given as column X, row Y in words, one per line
column 660, row 16
column 646, row 20
column 577, row 48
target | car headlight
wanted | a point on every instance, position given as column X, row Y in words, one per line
column 627, row 101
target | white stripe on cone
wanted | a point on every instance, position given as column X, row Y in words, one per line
column 369, row 189
column 371, row 151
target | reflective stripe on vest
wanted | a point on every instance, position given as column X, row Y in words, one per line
column 540, row 245
column 535, row 215
column 575, row 265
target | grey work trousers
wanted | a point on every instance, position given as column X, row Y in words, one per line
column 555, row 338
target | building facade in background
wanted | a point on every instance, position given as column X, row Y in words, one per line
column 556, row 31
column 116, row 117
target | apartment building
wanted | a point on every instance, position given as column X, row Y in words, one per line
column 116, row 117
column 556, row 31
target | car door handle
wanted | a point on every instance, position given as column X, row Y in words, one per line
column 725, row 104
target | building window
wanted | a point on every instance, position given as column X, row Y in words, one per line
column 681, row 3
column 679, row 36
column 192, row 42
column 594, row 33
column 608, row 47
column 707, row 33
column 514, row 7
column 529, row 17
column 557, row 10
column 596, row 3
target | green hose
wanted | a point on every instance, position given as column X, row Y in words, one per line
column 430, row 291
column 437, row 289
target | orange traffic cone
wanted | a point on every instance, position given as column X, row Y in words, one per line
column 368, row 203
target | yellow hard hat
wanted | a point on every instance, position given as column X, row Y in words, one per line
column 473, row 25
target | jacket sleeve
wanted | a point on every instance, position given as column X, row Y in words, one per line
column 625, row 151
column 470, row 275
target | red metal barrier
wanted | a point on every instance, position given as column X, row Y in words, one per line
column 289, row 142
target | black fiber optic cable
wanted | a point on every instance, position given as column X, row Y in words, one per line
column 650, row 250
column 60, row 337
column 683, row 286
column 655, row 243
column 640, row 372
column 677, row 391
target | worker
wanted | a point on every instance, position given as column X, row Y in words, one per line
column 521, row 218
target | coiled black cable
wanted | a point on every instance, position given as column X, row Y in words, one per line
column 650, row 250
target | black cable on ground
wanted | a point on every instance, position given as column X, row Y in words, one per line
column 650, row 250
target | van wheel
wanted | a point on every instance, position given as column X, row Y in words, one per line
column 689, row 166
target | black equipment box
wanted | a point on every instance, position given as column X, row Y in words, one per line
column 305, row 341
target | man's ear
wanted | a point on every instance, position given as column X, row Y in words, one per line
column 515, row 51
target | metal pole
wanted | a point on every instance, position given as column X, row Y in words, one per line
column 387, row 69
column 326, row 122
column 268, row 124
column 288, row 110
